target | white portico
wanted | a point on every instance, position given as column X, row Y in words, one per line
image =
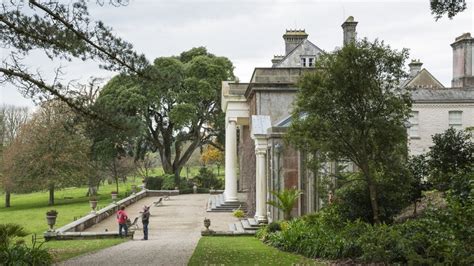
column 236, row 111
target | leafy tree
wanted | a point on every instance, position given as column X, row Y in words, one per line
column 212, row 155
column 451, row 8
column 451, row 161
column 178, row 108
column 351, row 108
column 286, row 201
column 47, row 153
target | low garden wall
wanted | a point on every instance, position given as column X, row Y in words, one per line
column 74, row 230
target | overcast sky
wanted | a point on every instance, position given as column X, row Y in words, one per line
column 250, row 32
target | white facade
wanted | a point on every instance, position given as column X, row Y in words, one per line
column 433, row 118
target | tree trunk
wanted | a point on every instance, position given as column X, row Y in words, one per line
column 177, row 177
column 116, row 184
column 372, row 193
column 373, row 201
column 51, row 195
column 7, row 199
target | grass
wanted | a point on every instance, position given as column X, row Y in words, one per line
column 66, row 249
column 242, row 251
column 29, row 210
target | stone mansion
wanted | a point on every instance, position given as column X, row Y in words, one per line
column 258, row 114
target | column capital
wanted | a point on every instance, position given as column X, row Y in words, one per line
column 260, row 151
column 232, row 120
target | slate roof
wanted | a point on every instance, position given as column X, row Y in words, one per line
column 446, row 95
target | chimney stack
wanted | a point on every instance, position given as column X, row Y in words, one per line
column 349, row 29
column 463, row 61
column 293, row 38
column 415, row 67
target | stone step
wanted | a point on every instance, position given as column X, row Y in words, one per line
column 232, row 227
column 239, row 227
column 254, row 223
column 246, row 225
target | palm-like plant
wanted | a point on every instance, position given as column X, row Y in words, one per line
column 9, row 232
column 286, row 200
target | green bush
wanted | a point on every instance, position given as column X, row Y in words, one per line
column 168, row 182
column 238, row 213
column 274, row 227
column 154, row 183
column 440, row 236
column 207, row 179
column 19, row 253
column 186, row 191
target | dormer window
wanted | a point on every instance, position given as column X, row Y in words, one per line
column 307, row 61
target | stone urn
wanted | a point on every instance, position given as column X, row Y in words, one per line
column 93, row 203
column 195, row 188
column 51, row 219
column 114, row 195
column 207, row 223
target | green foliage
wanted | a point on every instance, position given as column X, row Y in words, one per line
column 440, row 236
column 207, row 179
column 177, row 105
column 351, row 108
column 168, row 182
column 352, row 202
column 238, row 213
column 19, row 253
column 273, row 227
column 451, row 8
column 451, row 161
column 154, row 183
column 286, row 201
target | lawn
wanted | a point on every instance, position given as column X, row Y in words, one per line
column 242, row 251
column 63, row 250
column 29, row 210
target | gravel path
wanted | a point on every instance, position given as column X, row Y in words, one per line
column 174, row 231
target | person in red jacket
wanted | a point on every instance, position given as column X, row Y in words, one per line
column 122, row 220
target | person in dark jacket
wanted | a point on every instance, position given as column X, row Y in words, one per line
column 145, row 221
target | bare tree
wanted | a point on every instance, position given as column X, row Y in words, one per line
column 11, row 120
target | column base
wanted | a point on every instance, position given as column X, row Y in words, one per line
column 230, row 199
column 261, row 219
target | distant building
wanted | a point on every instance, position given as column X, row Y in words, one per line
column 258, row 161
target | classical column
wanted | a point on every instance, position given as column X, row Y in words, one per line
column 261, row 186
column 230, row 192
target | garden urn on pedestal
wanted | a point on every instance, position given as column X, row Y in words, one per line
column 207, row 223
column 93, row 203
column 51, row 219
column 114, row 195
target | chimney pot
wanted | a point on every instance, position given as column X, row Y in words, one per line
column 415, row 67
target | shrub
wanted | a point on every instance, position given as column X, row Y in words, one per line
column 52, row 213
column 19, row 253
column 207, row 179
column 168, row 182
column 186, row 191
column 154, row 183
column 273, row 227
column 238, row 213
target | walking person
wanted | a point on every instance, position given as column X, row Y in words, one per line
column 145, row 221
column 122, row 221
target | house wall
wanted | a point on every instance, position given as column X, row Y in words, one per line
column 294, row 59
column 277, row 104
column 433, row 119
